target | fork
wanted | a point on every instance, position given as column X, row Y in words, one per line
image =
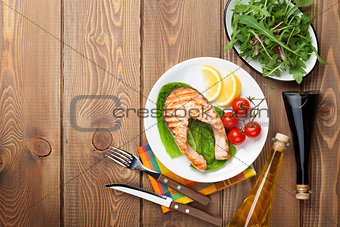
column 130, row 161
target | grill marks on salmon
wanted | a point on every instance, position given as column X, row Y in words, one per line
column 184, row 103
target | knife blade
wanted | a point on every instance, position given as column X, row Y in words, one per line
column 167, row 201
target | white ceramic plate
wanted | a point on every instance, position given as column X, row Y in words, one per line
column 189, row 72
column 254, row 64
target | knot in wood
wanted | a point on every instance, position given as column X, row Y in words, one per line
column 102, row 139
column 40, row 147
column 1, row 163
column 327, row 111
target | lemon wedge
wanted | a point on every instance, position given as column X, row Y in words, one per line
column 213, row 82
column 231, row 89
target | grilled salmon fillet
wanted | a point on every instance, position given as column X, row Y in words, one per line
column 184, row 103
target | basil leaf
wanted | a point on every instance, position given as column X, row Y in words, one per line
column 219, row 111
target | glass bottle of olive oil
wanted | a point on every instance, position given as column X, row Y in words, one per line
column 255, row 209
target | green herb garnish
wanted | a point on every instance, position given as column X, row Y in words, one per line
column 276, row 34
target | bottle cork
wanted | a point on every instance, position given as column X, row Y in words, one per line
column 302, row 191
column 282, row 137
column 281, row 142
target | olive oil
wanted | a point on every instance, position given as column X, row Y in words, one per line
column 255, row 208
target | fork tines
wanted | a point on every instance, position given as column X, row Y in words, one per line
column 119, row 156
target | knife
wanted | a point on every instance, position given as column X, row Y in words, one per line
column 167, row 202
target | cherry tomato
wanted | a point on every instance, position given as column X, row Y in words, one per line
column 241, row 106
column 236, row 137
column 229, row 120
column 252, row 129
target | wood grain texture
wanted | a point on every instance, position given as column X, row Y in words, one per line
column 284, row 205
column 102, row 57
column 29, row 113
column 285, row 208
column 234, row 195
column 174, row 31
column 323, row 207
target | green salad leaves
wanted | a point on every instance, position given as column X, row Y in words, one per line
column 276, row 34
column 201, row 138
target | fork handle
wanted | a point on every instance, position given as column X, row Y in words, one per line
column 198, row 197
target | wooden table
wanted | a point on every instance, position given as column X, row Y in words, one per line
column 58, row 59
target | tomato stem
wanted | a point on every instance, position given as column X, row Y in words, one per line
column 251, row 99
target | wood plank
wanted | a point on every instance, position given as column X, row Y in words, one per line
column 102, row 57
column 234, row 195
column 29, row 113
column 284, row 205
column 174, row 31
column 323, row 207
column 285, row 208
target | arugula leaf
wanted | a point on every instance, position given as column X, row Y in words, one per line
column 243, row 8
column 302, row 3
column 274, row 70
column 259, row 39
column 230, row 44
column 297, row 71
column 252, row 22
column 298, row 77
column 318, row 57
column 263, row 12
column 292, row 11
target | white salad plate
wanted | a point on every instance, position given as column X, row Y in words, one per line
column 255, row 64
column 190, row 72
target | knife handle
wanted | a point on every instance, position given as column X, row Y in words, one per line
column 198, row 197
column 197, row 213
